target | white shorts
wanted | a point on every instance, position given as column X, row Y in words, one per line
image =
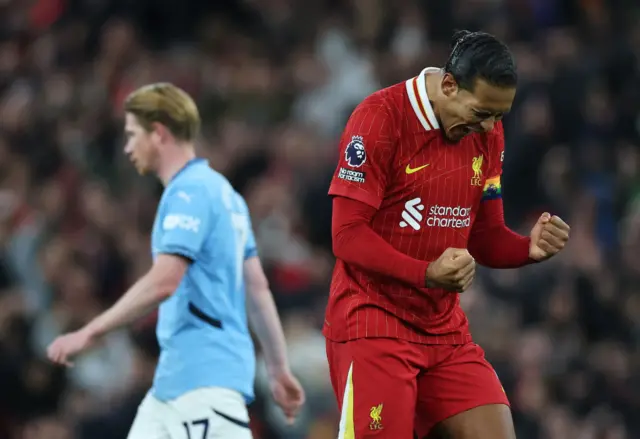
column 207, row 413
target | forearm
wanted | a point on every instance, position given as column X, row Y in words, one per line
column 500, row 247
column 493, row 244
column 355, row 242
column 263, row 317
column 265, row 322
column 144, row 296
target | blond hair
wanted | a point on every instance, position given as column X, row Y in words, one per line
column 168, row 105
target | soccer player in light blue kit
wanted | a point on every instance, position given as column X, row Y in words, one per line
column 206, row 278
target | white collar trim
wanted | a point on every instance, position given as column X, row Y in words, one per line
column 417, row 92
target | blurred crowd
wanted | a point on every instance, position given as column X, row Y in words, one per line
column 275, row 81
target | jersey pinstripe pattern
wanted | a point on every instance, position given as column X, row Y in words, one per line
column 398, row 128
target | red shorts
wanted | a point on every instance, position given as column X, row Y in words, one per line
column 391, row 388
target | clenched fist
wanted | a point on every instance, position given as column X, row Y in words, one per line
column 454, row 270
column 548, row 237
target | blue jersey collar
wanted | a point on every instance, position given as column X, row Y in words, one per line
column 187, row 165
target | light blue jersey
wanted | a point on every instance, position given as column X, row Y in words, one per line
column 202, row 328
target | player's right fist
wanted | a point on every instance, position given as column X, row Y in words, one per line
column 454, row 270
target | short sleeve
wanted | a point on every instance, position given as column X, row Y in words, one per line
column 365, row 154
column 493, row 185
column 251, row 249
column 186, row 215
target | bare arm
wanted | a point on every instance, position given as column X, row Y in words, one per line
column 263, row 317
column 145, row 295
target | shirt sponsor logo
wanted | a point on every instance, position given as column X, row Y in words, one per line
column 453, row 217
column 350, row 175
column 180, row 221
column 412, row 215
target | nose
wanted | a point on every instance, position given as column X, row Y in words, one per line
column 487, row 124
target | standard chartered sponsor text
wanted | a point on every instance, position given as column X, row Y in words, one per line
column 455, row 217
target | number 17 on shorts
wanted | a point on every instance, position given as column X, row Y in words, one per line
column 200, row 414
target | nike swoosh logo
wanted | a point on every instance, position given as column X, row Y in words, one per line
column 411, row 170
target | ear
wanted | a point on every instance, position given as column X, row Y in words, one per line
column 160, row 132
column 449, row 85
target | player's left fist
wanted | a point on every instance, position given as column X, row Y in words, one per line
column 548, row 237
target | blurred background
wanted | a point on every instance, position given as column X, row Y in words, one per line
column 275, row 81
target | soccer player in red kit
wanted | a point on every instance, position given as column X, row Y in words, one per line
column 417, row 201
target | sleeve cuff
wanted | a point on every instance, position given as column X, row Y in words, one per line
column 523, row 251
column 251, row 253
column 419, row 274
column 179, row 251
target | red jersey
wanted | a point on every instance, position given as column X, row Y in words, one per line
column 427, row 193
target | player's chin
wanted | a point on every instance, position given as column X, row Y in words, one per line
column 142, row 170
column 456, row 134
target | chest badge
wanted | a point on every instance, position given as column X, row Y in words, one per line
column 476, row 165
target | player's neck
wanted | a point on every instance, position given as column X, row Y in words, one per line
column 173, row 161
column 432, row 81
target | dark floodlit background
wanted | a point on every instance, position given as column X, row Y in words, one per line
column 275, row 81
